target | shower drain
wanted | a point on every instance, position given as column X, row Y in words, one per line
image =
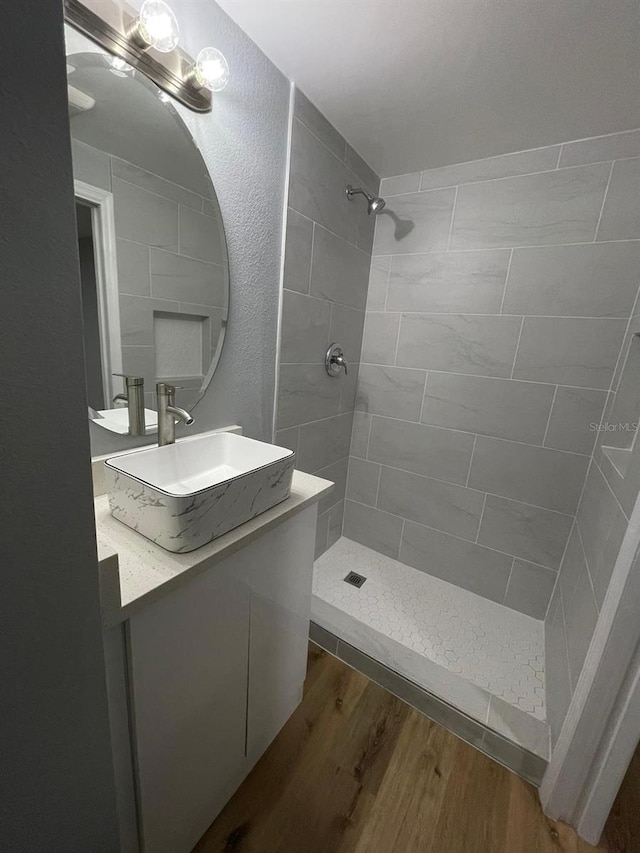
column 355, row 579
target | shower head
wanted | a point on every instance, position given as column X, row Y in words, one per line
column 374, row 204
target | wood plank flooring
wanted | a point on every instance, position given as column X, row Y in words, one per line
column 355, row 770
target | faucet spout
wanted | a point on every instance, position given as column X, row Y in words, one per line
column 168, row 412
column 181, row 414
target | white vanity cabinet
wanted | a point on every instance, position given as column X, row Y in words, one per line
column 216, row 667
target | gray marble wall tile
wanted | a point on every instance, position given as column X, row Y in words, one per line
column 133, row 268
column 305, row 329
column 557, row 680
column 391, row 391
column 497, row 407
column 621, row 213
column 581, row 615
column 615, row 146
column 530, row 588
column 463, row 343
column 366, row 230
column 360, row 434
column 200, row 236
column 288, row 438
column 441, row 453
column 155, row 184
column 378, row 276
column 306, row 394
column 317, row 182
column 574, row 412
column 548, row 208
column 591, row 280
column 573, row 565
column 400, row 184
column 380, row 337
column 337, row 474
column 462, row 563
column 362, row 481
column 324, row 442
column 336, row 517
column 144, row 217
column 91, row 165
column 452, row 509
column 569, row 351
column 362, row 170
column 186, row 279
column 602, row 526
column 348, row 385
column 297, row 252
column 373, row 528
column 529, row 532
column 312, row 118
column 471, row 282
column 347, row 326
column 546, row 478
column 503, row 166
column 339, row 271
column 417, row 222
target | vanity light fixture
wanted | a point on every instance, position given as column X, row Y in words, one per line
column 211, row 70
column 148, row 42
column 156, row 27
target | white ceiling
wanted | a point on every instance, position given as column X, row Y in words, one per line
column 414, row 84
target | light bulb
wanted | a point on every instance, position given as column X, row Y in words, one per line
column 211, row 70
column 157, row 26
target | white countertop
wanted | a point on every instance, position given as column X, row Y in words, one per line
column 134, row 571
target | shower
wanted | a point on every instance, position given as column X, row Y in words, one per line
column 374, row 204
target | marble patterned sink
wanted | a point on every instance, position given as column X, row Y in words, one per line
column 184, row 495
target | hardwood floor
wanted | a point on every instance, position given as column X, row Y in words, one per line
column 622, row 831
column 355, row 770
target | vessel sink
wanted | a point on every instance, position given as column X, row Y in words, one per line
column 184, row 495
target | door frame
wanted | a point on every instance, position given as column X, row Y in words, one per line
column 602, row 727
column 103, row 226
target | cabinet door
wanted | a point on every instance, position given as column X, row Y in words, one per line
column 188, row 656
column 280, row 575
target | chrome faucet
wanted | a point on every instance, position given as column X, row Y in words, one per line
column 167, row 414
column 134, row 399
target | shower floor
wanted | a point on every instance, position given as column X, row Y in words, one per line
column 478, row 656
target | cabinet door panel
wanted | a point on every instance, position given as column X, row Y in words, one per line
column 189, row 658
column 280, row 577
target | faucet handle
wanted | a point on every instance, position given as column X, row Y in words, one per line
column 130, row 379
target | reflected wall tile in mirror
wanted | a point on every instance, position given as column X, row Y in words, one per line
column 136, row 318
column 144, row 217
column 199, row 237
column 186, row 279
column 90, row 165
column 155, row 184
column 140, row 361
column 133, row 268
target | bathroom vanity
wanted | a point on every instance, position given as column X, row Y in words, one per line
column 206, row 660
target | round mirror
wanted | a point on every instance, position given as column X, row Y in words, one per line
column 153, row 257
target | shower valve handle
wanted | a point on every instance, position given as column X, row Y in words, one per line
column 334, row 360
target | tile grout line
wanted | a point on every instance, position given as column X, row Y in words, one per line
column 553, row 402
column 473, row 450
column 484, row 503
column 424, row 394
column 515, row 357
column 504, row 289
column 487, row 248
column 506, row 589
column 560, row 155
column 604, row 201
column 589, row 570
column 453, row 213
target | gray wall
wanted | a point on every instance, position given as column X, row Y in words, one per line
column 57, row 776
column 327, row 258
column 499, row 298
column 611, row 490
column 244, row 144
column 170, row 259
